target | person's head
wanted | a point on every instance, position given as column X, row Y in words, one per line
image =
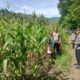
column 51, row 34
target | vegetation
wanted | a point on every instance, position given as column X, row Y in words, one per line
column 63, row 62
column 21, row 40
column 53, row 19
column 23, row 46
column 70, row 16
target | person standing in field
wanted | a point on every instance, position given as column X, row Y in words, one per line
column 73, row 37
column 77, row 47
column 50, row 43
column 56, row 37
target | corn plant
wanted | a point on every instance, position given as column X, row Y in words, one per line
column 20, row 39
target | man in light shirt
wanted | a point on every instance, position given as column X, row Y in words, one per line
column 73, row 37
column 77, row 47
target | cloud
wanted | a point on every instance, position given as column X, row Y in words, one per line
column 25, row 9
column 50, row 12
column 47, row 12
column 45, row 7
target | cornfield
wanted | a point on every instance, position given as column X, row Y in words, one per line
column 21, row 41
column 23, row 46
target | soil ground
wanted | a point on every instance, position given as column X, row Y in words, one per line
column 74, row 71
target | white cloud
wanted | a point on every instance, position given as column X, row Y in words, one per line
column 48, row 12
column 25, row 9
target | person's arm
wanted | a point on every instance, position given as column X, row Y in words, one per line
column 76, row 43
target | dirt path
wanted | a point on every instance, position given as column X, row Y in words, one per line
column 74, row 72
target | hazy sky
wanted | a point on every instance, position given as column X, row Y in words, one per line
column 46, row 7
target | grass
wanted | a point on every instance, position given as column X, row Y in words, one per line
column 63, row 62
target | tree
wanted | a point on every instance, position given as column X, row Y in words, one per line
column 70, row 13
column 63, row 6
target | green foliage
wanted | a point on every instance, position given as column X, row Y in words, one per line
column 19, row 39
column 63, row 6
column 23, row 46
column 63, row 62
column 71, row 17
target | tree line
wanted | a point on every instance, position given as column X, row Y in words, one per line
column 70, row 13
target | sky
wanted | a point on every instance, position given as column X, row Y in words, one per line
column 46, row 7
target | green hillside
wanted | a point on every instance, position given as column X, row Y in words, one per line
column 53, row 19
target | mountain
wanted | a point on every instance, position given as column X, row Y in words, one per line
column 9, row 14
column 53, row 19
